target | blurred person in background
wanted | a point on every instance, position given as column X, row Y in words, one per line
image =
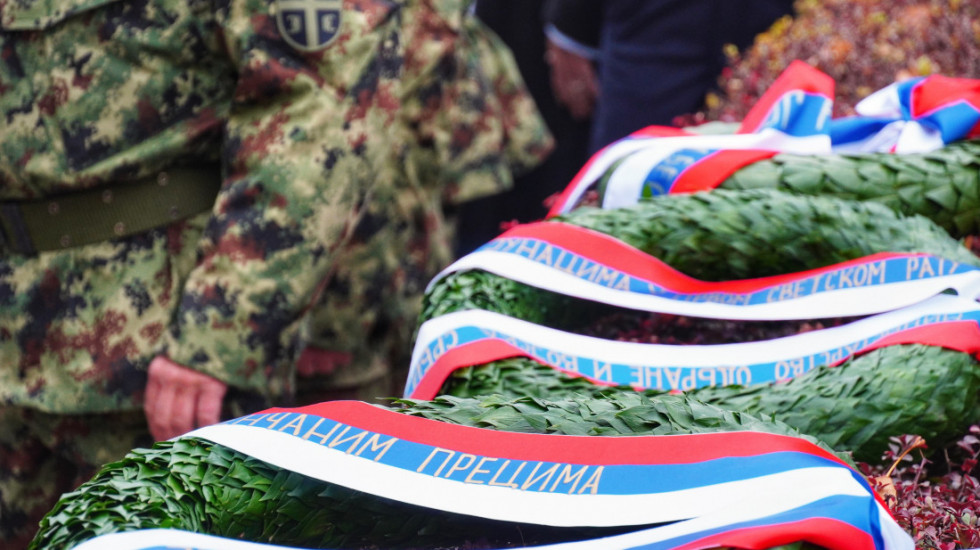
column 520, row 24
column 177, row 180
column 483, row 133
column 655, row 60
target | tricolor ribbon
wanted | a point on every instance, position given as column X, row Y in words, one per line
column 793, row 116
column 724, row 489
column 916, row 115
column 586, row 264
column 475, row 337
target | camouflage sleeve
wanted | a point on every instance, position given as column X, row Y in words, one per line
column 322, row 120
column 302, row 144
column 474, row 117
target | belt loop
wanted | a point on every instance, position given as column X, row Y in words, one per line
column 15, row 235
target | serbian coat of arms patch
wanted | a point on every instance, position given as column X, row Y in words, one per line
column 308, row 25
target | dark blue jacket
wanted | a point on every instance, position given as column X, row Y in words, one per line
column 658, row 58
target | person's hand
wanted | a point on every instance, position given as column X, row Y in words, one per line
column 573, row 81
column 179, row 399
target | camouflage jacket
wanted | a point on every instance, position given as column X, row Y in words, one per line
column 309, row 118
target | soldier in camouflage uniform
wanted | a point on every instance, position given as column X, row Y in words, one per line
column 359, row 336
column 177, row 178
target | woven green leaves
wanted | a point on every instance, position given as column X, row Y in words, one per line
column 854, row 407
column 199, row 486
column 942, row 185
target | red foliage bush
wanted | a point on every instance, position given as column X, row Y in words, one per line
column 864, row 45
column 936, row 500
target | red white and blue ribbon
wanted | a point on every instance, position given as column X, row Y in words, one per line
column 724, row 489
column 798, row 524
column 793, row 116
column 475, row 337
column 916, row 115
column 586, row 264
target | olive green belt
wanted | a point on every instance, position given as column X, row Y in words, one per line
column 107, row 212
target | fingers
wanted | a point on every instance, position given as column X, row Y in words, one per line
column 152, row 402
column 573, row 81
column 181, row 412
column 577, row 100
column 208, row 405
column 179, row 399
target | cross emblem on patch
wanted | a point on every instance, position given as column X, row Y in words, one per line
column 308, row 25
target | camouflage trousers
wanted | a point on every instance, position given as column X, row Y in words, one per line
column 45, row 455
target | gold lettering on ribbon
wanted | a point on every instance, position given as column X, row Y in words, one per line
column 686, row 378
column 673, row 377
column 587, row 271
column 543, row 255
column 491, row 471
column 477, row 470
column 790, row 368
column 323, row 437
column 567, row 477
column 510, row 482
column 561, row 360
column 435, row 451
column 592, row 485
column 544, row 477
column 457, row 467
column 603, row 371
column 375, row 446
column 606, row 277
column 340, row 440
column 926, row 269
column 251, row 419
column 910, row 266
column 296, row 423
column 527, row 249
column 275, row 418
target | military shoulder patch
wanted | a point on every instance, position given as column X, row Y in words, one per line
column 308, row 25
